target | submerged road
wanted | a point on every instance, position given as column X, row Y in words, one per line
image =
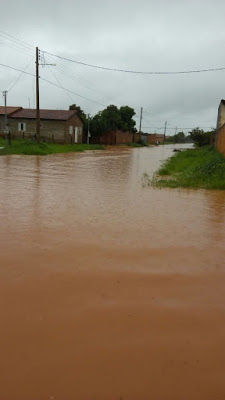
column 109, row 290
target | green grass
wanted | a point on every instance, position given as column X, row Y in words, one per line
column 200, row 168
column 30, row 147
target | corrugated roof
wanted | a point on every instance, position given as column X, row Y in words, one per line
column 60, row 115
column 10, row 110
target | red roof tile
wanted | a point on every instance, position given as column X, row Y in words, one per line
column 61, row 115
column 10, row 110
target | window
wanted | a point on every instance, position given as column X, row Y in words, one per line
column 21, row 126
column 80, row 130
column 71, row 130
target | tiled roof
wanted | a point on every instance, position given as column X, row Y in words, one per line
column 10, row 110
column 61, row 115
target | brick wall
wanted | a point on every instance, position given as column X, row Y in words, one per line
column 152, row 138
column 115, row 137
column 220, row 143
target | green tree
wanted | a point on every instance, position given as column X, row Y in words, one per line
column 112, row 118
column 199, row 137
column 126, row 114
column 179, row 137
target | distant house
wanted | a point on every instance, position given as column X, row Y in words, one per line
column 59, row 126
column 220, row 132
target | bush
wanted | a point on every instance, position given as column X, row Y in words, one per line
column 200, row 138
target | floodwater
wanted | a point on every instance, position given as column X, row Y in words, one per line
column 109, row 290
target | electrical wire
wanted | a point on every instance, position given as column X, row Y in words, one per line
column 75, row 77
column 70, row 97
column 20, row 76
column 21, row 50
column 16, row 40
column 54, row 84
column 137, row 72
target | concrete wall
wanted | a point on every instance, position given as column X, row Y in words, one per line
column 221, row 115
column 50, row 131
column 220, row 143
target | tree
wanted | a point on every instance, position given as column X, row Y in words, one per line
column 112, row 119
column 126, row 115
column 179, row 137
column 112, row 116
column 80, row 112
column 98, row 124
column 199, row 137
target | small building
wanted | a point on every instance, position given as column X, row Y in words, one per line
column 220, row 131
column 58, row 126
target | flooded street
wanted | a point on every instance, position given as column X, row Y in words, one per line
column 109, row 290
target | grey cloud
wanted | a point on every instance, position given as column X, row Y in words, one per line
column 145, row 35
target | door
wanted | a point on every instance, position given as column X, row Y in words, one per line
column 76, row 134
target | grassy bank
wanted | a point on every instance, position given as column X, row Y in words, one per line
column 30, row 147
column 196, row 168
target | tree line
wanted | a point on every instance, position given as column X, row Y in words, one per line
column 197, row 136
column 114, row 118
column 110, row 119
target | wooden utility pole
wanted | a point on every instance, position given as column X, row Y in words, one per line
column 88, row 133
column 7, row 131
column 140, row 120
column 37, row 98
column 175, row 135
column 164, row 136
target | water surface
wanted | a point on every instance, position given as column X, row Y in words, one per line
column 109, row 290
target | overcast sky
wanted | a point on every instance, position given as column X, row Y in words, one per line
column 162, row 35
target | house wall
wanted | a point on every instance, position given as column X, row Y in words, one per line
column 50, row 131
column 220, row 143
column 221, row 115
column 152, row 138
column 75, row 121
column 2, row 125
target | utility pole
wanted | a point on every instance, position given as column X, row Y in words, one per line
column 175, row 135
column 140, row 119
column 88, row 133
column 37, row 98
column 7, row 131
column 164, row 136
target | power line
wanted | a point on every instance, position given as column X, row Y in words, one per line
column 54, row 84
column 76, row 77
column 20, row 75
column 14, row 39
column 21, row 50
column 138, row 72
column 60, row 84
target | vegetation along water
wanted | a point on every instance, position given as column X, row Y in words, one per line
column 193, row 168
column 30, row 147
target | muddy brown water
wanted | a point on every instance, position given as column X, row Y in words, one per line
column 109, row 290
